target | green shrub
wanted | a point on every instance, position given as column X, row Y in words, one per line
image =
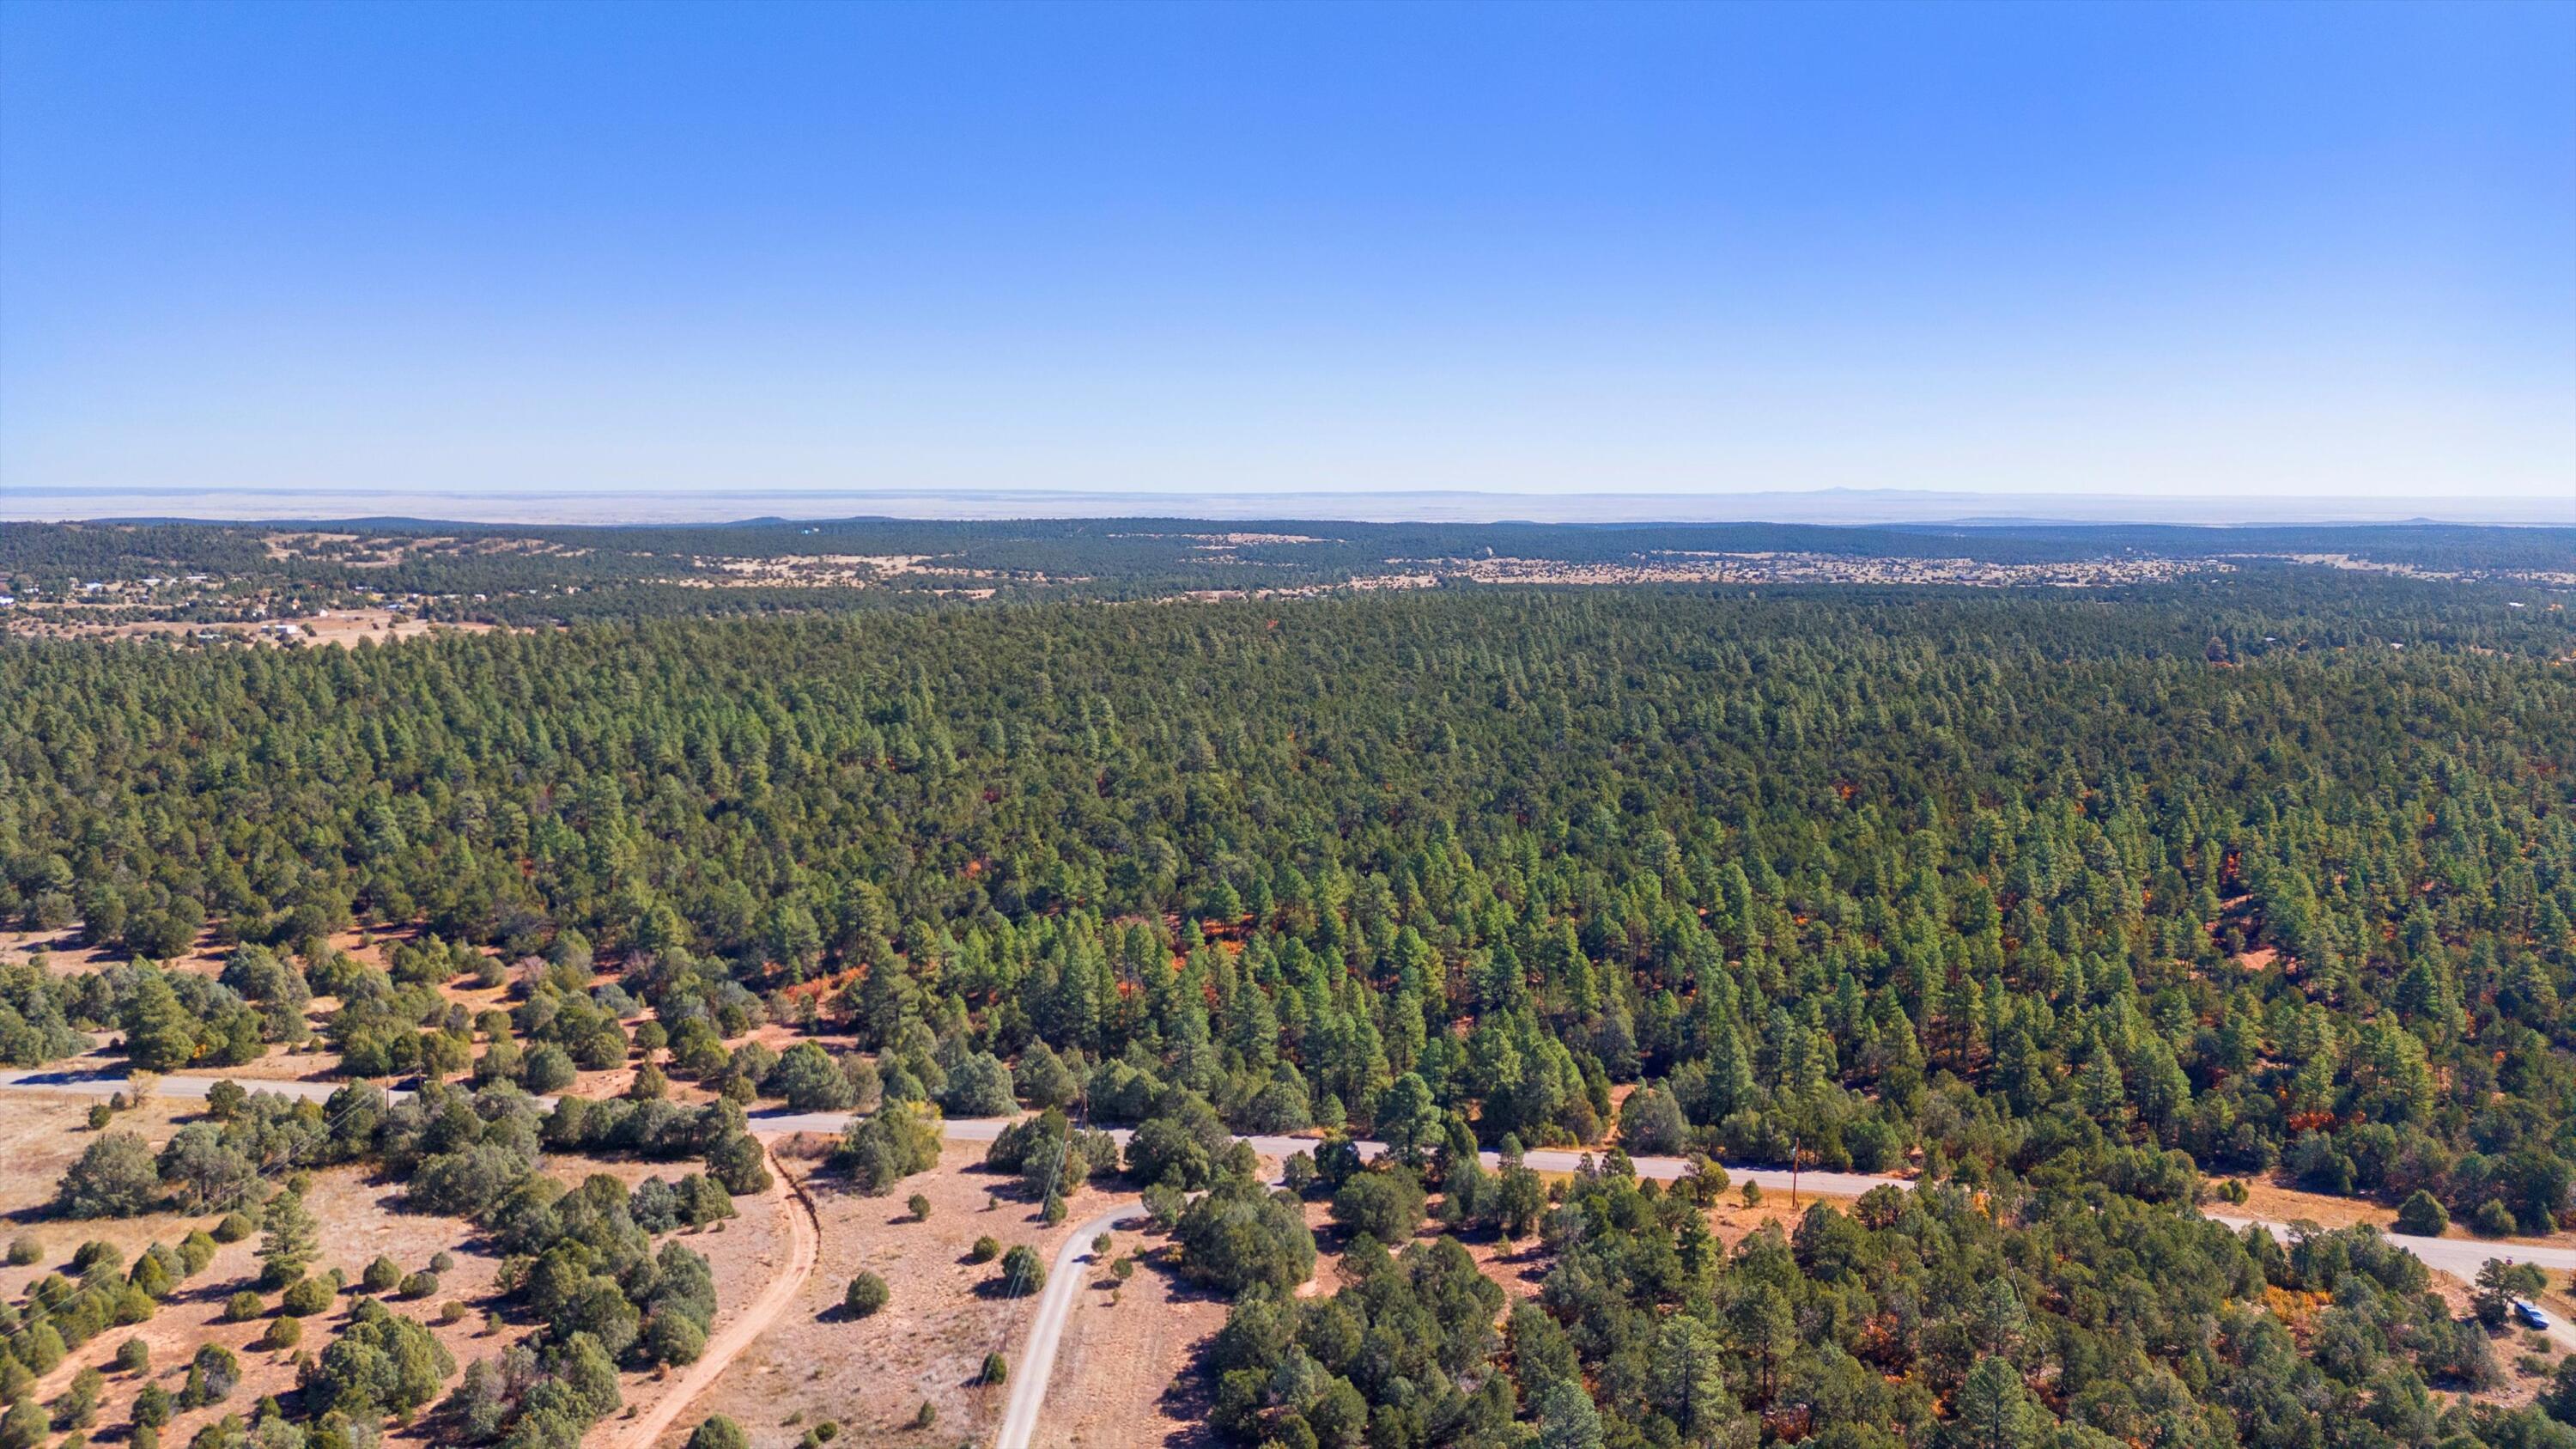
column 997, row 1369
column 133, row 1356
column 234, row 1227
column 283, row 1333
column 718, row 1432
column 25, row 1250
column 1386, row 1204
column 867, row 1293
column 381, row 1275
column 306, row 1297
column 78, row 1407
column 244, row 1306
column 920, row 1207
column 986, row 1249
column 673, row 1338
column 1022, row 1271
column 419, row 1285
column 2423, row 1216
column 151, row 1406
column 25, row 1426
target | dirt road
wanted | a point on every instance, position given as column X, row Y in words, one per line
column 805, row 1242
column 1029, row 1380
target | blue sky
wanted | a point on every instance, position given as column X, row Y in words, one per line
column 2278, row 249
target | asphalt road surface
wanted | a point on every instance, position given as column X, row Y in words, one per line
column 2460, row 1257
column 1037, row 1361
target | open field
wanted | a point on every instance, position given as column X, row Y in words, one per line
column 360, row 1216
column 1121, row 1369
column 872, row 1375
column 342, row 627
column 2275, row 1201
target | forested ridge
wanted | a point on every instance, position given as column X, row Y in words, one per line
column 2066, row 901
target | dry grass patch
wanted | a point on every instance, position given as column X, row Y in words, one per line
column 871, row 1375
column 1122, row 1369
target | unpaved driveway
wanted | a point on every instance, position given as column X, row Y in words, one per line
column 805, row 1241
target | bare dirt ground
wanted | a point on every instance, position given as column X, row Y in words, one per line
column 360, row 1216
column 67, row 955
column 2280, row 1203
column 783, row 1266
column 41, row 1136
column 1121, row 1366
column 1122, row 1373
column 342, row 627
column 2274, row 1202
column 928, row 1344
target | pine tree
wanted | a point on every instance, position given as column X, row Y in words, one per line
column 1995, row 1409
column 288, row 1239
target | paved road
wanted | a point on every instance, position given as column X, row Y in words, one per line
column 93, row 1084
column 2460, row 1257
column 985, row 1129
column 1037, row 1361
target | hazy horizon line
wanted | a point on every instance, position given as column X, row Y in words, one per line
column 1839, row 506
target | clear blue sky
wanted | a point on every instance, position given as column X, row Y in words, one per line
column 2283, row 248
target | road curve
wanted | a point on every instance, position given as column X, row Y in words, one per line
column 1542, row 1159
column 1037, row 1360
column 805, row 1240
column 2460, row 1257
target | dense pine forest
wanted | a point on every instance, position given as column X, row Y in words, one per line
column 2069, row 905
